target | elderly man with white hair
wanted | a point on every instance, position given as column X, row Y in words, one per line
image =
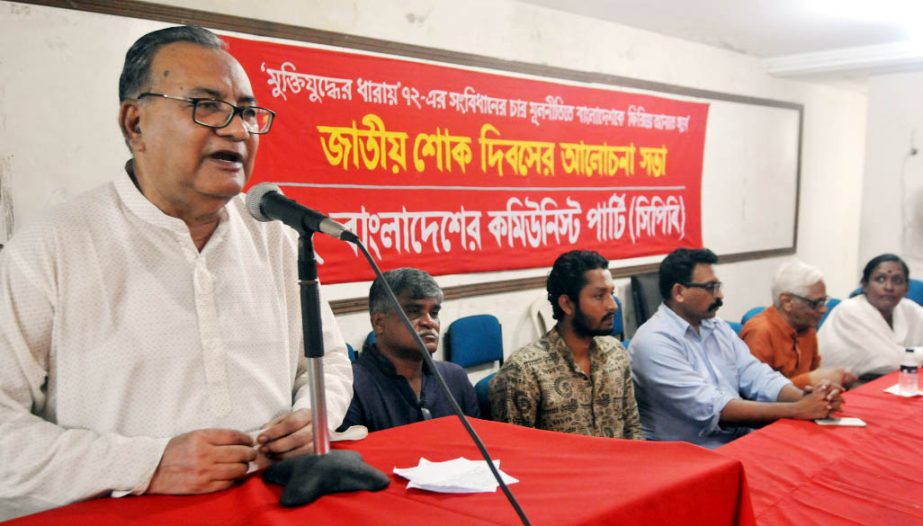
column 784, row 335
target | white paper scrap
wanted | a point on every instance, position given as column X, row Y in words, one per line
column 846, row 421
column 453, row 476
column 896, row 390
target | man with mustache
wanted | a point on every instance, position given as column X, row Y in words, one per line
column 392, row 385
column 576, row 378
column 150, row 329
column 696, row 380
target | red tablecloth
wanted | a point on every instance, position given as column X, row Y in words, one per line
column 801, row 473
column 564, row 479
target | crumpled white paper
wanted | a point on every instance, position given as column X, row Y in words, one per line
column 454, row 476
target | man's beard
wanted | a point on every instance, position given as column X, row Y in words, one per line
column 582, row 327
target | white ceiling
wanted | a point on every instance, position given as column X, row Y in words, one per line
column 794, row 37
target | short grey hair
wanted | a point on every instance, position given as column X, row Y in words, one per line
column 419, row 284
column 794, row 277
column 136, row 72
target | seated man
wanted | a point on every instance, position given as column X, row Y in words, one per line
column 784, row 336
column 150, row 330
column 576, row 378
column 696, row 380
column 392, row 385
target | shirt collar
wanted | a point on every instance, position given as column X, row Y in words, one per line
column 139, row 205
column 706, row 326
column 775, row 318
column 384, row 364
column 559, row 346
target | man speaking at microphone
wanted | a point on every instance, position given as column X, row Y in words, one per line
column 150, row 330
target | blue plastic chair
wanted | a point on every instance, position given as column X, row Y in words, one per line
column 736, row 327
column 915, row 291
column 474, row 340
column 353, row 355
column 369, row 340
column 751, row 313
column 831, row 303
column 480, row 389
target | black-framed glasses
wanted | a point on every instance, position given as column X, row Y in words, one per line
column 813, row 304
column 217, row 114
column 712, row 287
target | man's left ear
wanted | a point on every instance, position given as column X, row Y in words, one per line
column 566, row 304
column 377, row 325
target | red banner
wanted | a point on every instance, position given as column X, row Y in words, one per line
column 454, row 171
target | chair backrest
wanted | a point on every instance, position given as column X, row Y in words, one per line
column 645, row 291
column 353, row 355
column 736, row 327
column 474, row 340
column 831, row 303
column 751, row 313
column 915, row 291
column 481, row 389
column 541, row 315
column 618, row 327
column 369, row 340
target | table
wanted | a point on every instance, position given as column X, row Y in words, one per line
column 801, row 473
column 564, row 480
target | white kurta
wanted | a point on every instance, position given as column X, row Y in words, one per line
column 856, row 336
column 116, row 334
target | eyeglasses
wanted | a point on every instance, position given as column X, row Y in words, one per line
column 814, row 304
column 218, row 114
column 713, row 287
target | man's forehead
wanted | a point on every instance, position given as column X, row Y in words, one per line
column 405, row 299
column 703, row 272
column 598, row 277
column 818, row 288
column 200, row 71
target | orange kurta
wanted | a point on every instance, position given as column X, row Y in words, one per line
column 774, row 342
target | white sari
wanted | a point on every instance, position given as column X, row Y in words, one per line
column 857, row 337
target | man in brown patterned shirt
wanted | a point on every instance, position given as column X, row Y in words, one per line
column 577, row 377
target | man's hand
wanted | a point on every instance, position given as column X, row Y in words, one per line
column 287, row 435
column 818, row 402
column 202, row 461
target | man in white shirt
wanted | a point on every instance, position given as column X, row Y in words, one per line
column 150, row 335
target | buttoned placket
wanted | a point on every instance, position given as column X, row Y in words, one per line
column 699, row 342
column 213, row 355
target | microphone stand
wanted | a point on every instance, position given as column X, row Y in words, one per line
column 313, row 339
column 308, row 477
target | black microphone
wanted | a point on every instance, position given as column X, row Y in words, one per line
column 266, row 202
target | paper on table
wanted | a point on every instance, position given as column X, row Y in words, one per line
column 846, row 421
column 453, row 476
column 896, row 390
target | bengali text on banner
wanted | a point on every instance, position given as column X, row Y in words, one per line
column 454, row 170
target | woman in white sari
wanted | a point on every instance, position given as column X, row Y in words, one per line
column 867, row 334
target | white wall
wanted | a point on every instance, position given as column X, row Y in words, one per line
column 834, row 126
column 892, row 201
